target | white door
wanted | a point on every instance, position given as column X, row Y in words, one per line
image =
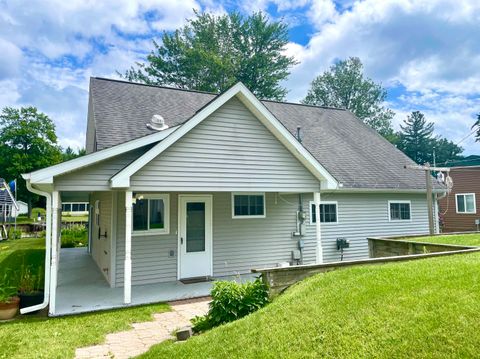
column 195, row 236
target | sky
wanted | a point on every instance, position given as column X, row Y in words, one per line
column 426, row 53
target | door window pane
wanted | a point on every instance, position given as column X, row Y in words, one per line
column 195, row 227
column 157, row 212
column 140, row 215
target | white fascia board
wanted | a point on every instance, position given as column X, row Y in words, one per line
column 45, row 176
column 122, row 179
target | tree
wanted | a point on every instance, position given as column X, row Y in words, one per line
column 476, row 126
column 27, row 143
column 445, row 151
column 211, row 53
column 417, row 142
column 69, row 153
column 345, row 86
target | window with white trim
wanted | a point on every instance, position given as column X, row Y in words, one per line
column 466, row 203
column 248, row 205
column 399, row 210
column 328, row 212
column 151, row 214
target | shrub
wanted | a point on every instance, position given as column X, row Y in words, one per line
column 231, row 301
column 14, row 233
column 29, row 282
column 75, row 236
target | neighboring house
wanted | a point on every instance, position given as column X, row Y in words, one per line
column 184, row 184
column 22, row 209
column 8, row 205
column 460, row 209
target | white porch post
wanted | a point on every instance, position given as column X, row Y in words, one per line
column 316, row 199
column 56, row 220
column 127, row 284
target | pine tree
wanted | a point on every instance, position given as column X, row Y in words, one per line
column 416, row 137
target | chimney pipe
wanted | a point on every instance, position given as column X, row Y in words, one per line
column 299, row 137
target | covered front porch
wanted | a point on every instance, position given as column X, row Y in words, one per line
column 82, row 288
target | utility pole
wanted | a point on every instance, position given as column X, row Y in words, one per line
column 428, row 179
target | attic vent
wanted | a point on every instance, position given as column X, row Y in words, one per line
column 157, row 123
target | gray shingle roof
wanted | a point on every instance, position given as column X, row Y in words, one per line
column 351, row 151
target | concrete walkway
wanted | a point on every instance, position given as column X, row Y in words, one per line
column 142, row 336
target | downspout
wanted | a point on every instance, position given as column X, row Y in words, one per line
column 46, row 291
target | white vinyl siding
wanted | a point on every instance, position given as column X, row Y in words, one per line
column 229, row 151
column 239, row 246
column 96, row 177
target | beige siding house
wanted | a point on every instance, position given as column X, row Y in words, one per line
column 186, row 186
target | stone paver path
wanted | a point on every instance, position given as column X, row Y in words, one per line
column 142, row 336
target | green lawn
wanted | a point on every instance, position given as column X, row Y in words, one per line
column 418, row 309
column 18, row 252
column 36, row 337
column 458, row 239
column 59, row 337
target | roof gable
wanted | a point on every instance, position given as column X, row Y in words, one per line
column 231, row 151
column 122, row 179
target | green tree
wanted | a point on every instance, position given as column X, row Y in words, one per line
column 27, row 143
column 416, row 140
column 476, row 126
column 69, row 153
column 445, row 151
column 211, row 53
column 345, row 86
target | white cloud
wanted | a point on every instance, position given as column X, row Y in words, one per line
column 10, row 59
column 428, row 47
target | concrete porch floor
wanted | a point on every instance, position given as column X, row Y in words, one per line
column 82, row 288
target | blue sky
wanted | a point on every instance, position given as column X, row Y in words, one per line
column 425, row 52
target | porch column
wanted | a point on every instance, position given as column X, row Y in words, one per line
column 316, row 199
column 127, row 283
column 56, row 223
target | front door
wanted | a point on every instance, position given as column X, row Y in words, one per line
column 195, row 236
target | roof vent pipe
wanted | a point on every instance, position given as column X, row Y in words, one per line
column 299, row 137
column 157, row 123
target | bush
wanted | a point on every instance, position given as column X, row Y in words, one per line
column 14, row 233
column 75, row 236
column 231, row 301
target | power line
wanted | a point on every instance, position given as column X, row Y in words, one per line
column 467, row 136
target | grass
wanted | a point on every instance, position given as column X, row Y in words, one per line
column 59, row 337
column 418, row 309
column 458, row 239
column 18, row 252
column 37, row 337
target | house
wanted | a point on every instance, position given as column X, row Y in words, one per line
column 8, row 205
column 460, row 209
column 184, row 185
column 22, row 209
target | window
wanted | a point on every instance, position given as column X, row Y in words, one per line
column 466, row 203
column 328, row 212
column 248, row 205
column 399, row 210
column 151, row 214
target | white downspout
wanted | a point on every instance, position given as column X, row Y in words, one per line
column 48, row 233
column 54, row 251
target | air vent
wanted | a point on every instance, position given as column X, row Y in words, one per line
column 157, row 123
